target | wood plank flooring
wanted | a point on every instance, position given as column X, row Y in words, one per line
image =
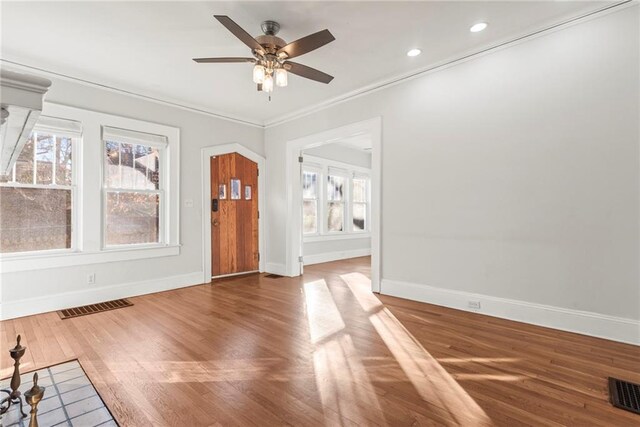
column 322, row 350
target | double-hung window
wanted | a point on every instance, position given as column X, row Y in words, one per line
column 310, row 205
column 37, row 196
column 336, row 196
column 134, row 187
column 359, row 203
column 335, row 199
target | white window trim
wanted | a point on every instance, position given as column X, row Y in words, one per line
column 344, row 174
column 164, row 213
column 360, row 175
column 88, row 212
column 314, row 163
column 319, row 187
column 76, row 196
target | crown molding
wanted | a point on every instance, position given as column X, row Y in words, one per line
column 172, row 103
column 364, row 90
column 401, row 78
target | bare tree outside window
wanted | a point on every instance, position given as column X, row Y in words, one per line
column 36, row 196
column 310, row 184
column 335, row 207
column 133, row 193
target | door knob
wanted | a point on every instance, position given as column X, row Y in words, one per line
column 215, row 223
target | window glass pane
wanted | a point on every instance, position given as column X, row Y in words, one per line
column 335, row 188
column 335, row 216
column 63, row 161
column 24, row 164
column 310, row 216
column 359, row 190
column 34, row 219
column 359, row 216
column 132, row 218
column 112, row 164
column 235, row 189
column 147, row 164
column 135, row 167
column 45, row 148
column 127, row 172
column 309, row 185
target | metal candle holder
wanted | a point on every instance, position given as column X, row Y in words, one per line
column 14, row 394
column 33, row 396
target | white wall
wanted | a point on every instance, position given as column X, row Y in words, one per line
column 512, row 175
column 68, row 285
column 329, row 249
column 341, row 153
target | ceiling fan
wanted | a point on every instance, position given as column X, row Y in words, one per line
column 271, row 54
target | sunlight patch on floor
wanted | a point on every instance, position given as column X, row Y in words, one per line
column 322, row 314
column 341, row 379
column 485, row 360
column 220, row 370
column 489, row 377
column 434, row 384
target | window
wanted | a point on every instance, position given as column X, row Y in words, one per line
column 37, row 195
column 359, row 208
column 335, row 199
column 133, row 187
column 310, row 193
column 85, row 191
column 335, row 202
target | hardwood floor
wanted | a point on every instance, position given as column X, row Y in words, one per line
column 321, row 349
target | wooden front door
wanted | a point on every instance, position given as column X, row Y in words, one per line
column 234, row 215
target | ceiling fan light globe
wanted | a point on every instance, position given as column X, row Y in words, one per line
column 258, row 74
column 267, row 85
column 281, row 77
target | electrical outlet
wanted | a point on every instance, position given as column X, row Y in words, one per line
column 91, row 279
column 475, row 305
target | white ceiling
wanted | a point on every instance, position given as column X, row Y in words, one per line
column 146, row 47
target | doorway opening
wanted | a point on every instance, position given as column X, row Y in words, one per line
column 334, row 197
column 336, row 201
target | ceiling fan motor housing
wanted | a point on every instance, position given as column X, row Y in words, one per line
column 271, row 43
column 270, row 28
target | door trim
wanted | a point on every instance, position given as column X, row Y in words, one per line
column 371, row 127
column 218, row 150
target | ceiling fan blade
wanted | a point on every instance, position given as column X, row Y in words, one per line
column 237, row 31
column 307, row 44
column 307, row 72
column 218, row 60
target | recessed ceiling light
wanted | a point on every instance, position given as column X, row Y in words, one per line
column 476, row 28
column 414, row 52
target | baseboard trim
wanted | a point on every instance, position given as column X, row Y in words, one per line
column 335, row 256
column 582, row 322
column 44, row 304
column 275, row 268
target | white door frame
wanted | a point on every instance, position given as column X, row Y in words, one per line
column 372, row 127
column 218, row 150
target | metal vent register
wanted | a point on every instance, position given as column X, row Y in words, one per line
column 94, row 308
column 624, row 395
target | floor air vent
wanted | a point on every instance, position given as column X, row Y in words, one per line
column 625, row 395
column 94, row 308
column 273, row 276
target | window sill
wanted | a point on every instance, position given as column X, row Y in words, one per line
column 43, row 260
column 336, row 236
